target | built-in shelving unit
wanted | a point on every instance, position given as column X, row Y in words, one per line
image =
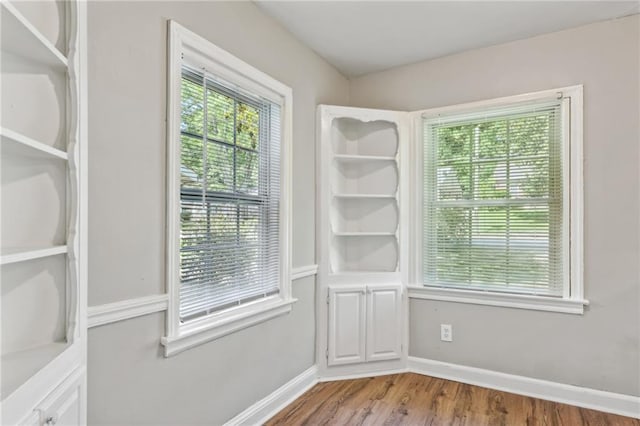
column 363, row 167
column 43, row 275
column 361, row 303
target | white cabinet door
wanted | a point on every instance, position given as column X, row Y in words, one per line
column 63, row 406
column 384, row 322
column 347, row 316
column 33, row 419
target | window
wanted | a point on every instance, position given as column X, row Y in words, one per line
column 228, row 257
column 497, row 193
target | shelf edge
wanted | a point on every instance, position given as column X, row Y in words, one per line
column 32, row 143
column 26, row 255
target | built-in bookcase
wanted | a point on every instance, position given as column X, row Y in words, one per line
column 360, row 230
column 42, row 242
column 364, row 190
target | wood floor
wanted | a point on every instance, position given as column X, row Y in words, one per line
column 413, row 399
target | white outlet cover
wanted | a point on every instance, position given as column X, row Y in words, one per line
column 446, row 332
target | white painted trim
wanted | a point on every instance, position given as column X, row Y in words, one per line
column 273, row 403
column 210, row 328
column 364, row 375
column 126, row 309
column 498, row 102
column 131, row 308
column 304, row 271
column 508, row 300
column 609, row 402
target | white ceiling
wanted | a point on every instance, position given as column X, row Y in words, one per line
column 363, row 37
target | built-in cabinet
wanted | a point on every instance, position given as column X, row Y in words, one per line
column 43, row 213
column 364, row 323
column 362, row 199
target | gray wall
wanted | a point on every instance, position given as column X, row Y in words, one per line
column 600, row 349
column 129, row 379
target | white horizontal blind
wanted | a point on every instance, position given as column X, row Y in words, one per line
column 493, row 200
column 229, row 195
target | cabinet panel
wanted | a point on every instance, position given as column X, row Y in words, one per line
column 384, row 331
column 63, row 407
column 347, row 315
column 68, row 412
column 33, row 419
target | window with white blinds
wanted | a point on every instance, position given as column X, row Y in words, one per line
column 229, row 195
column 493, row 199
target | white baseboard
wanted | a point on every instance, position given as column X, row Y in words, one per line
column 269, row 406
column 609, row 402
column 362, row 375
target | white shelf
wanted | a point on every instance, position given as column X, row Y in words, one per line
column 21, row 38
column 25, row 146
column 364, row 196
column 347, row 158
column 21, row 254
column 18, row 367
column 363, row 234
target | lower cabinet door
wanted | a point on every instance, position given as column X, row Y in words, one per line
column 384, row 322
column 33, row 419
column 347, row 316
column 63, row 407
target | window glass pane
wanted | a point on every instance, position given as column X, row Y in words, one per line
column 220, row 116
column 247, row 126
column 529, row 178
column 454, row 143
column 249, row 221
column 192, row 102
column 529, row 135
column 453, row 181
column 491, row 140
column 247, row 165
column 191, row 162
column 490, row 180
column 219, row 167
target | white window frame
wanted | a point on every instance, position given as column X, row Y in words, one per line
column 573, row 300
column 184, row 45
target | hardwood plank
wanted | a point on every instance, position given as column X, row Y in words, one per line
column 413, row 399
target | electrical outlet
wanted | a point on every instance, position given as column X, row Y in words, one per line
column 446, row 333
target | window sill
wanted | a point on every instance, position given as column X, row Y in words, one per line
column 215, row 326
column 520, row 301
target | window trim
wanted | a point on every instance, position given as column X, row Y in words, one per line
column 186, row 46
column 573, row 300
